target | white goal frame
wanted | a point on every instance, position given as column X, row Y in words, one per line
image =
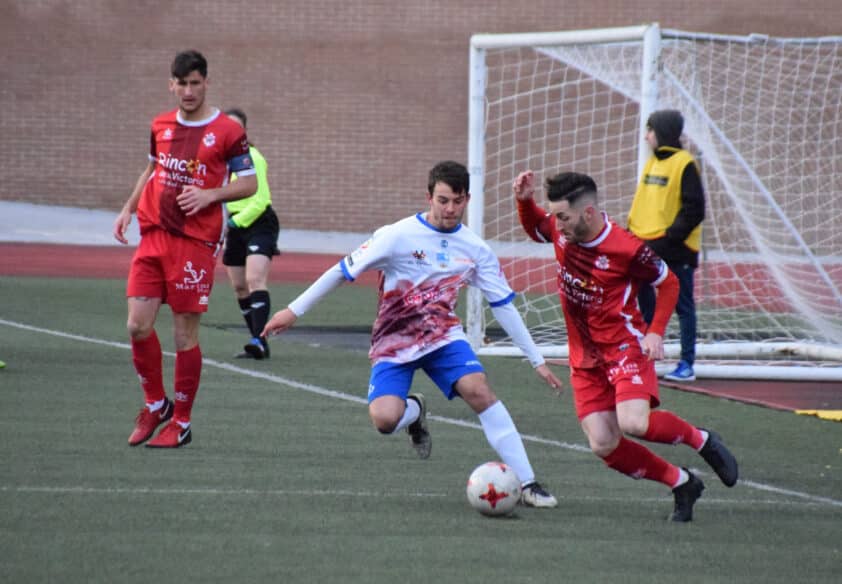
column 816, row 359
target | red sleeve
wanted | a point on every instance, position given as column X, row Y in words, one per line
column 535, row 221
column 665, row 300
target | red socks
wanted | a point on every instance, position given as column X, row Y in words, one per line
column 667, row 428
column 638, row 462
column 188, row 371
column 147, row 357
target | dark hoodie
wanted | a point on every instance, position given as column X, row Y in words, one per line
column 668, row 126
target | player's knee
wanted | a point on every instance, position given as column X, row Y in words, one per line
column 602, row 446
column 383, row 419
column 256, row 283
column 384, row 426
column 633, row 425
column 138, row 330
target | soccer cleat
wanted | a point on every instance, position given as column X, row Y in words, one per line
column 243, row 355
column 257, row 349
column 419, row 436
column 534, row 495
column 682, row 372
column 720, row 459
column 686, row 496
column 172, row 436
column 147, row 422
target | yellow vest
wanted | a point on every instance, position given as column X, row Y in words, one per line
column 658, row 199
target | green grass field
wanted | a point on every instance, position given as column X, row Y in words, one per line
column 286, row 480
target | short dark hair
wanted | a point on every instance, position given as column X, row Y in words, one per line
column 237, row 112
column 570, row 187
column 453, row 174
column 186, row 62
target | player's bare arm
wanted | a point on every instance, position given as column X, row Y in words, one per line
column 124, row 218
column 280, row 321
column 192, row 199
column 524, row 185
column 549, row 377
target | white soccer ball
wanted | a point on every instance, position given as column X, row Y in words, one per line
column 493, row 489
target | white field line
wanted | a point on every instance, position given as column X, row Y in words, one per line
column 277, row 379
column 216, row 492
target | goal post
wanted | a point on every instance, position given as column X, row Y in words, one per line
column 763, row 116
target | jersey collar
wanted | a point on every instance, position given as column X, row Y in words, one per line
column 194, row 123
column 602, row 234
column 420, row 217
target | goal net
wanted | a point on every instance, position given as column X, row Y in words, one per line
column 763, row 116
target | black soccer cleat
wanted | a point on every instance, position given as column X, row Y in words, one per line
column 419, row 436
column 686, row 496
column 720, row 459
column 257, row 349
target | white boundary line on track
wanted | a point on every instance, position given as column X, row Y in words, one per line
column 277, row 379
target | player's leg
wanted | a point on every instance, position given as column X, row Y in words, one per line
column 234, row 260
column 392, row 408
column 257, row 279
column 188, row 372
column 594, row 398
column 147, row 357
column 145, row 290
column 189, row 272
column 261, row 245
column 636, row 391
column 456, row 370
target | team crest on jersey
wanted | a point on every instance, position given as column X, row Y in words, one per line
column 209, row 139
column 602, row 262
column 167, row 134
column 419, row 255
column 444, row 243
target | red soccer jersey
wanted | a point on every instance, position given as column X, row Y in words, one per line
column 201, row 153
column 597, row 283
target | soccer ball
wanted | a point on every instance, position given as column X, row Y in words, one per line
column 493, row 489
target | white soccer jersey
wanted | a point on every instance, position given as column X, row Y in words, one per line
column 423, row 269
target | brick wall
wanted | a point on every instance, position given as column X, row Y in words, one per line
column 351, row 102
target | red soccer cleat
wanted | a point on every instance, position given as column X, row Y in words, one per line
column 147, row 422
column 172, row 436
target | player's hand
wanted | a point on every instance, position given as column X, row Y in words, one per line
column 549, row 377
column 653, row 346
column 121, row 224
column 192, row 199
column 524, row 185
column 281, row 321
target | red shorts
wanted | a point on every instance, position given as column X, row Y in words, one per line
column 629, row 375
column 178, row 270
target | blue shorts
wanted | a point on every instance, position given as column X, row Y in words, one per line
column 445, row 366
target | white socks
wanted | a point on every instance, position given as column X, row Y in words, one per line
column 504, row 438
column 410, row 414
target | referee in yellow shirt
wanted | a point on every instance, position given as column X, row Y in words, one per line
column 251, row 242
